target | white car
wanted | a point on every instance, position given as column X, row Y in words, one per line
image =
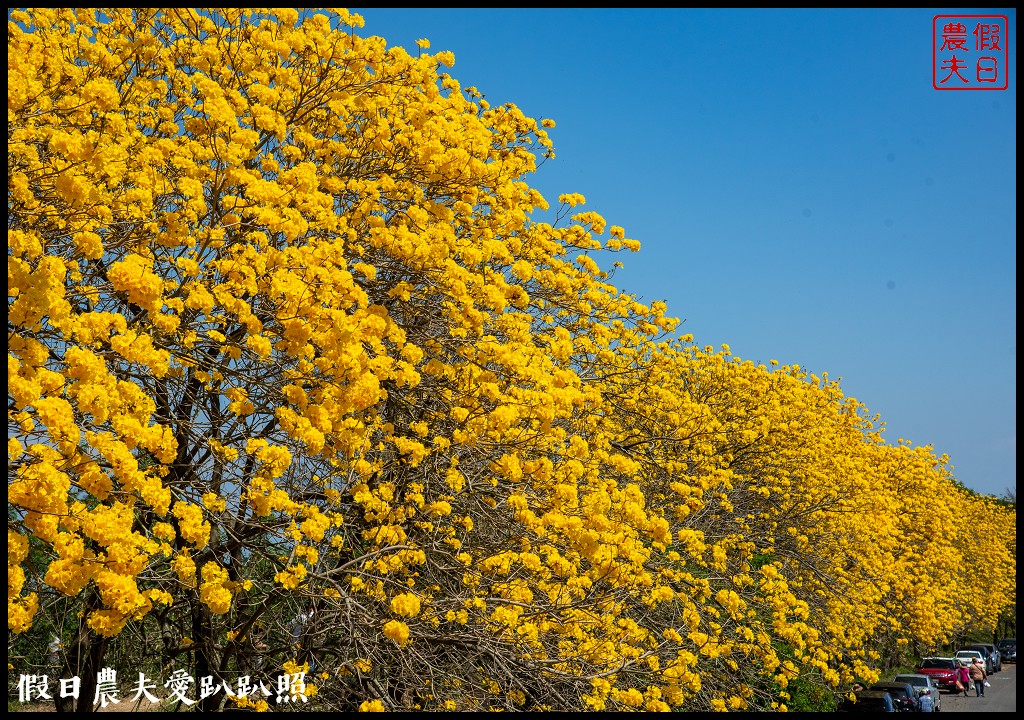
column 969, row 656
column 993, row 662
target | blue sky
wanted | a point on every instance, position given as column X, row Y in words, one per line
column 800, row 190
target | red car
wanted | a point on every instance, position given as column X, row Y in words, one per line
column 942, row 671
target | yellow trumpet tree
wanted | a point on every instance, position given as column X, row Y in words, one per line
column 298, row 383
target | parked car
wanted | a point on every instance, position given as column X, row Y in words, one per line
column 941, row 669
column 995, row 659
column 986, row 650
column 969, row 656
column 927, row 690
column 902, row 694
column 999, row 655
column 868, row 701
column 1008, row 649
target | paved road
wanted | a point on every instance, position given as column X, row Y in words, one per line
column 1001, row 697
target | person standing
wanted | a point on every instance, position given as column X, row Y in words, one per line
column 978, row 675
column 963, row 677
column 927, row 703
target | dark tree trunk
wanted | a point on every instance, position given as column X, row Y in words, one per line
column 84, row 661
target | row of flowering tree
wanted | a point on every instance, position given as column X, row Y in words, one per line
column 297, row 382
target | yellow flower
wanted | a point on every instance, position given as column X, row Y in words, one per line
column 397, row 631
column 405, row 605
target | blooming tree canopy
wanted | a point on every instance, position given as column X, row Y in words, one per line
column 298, row 377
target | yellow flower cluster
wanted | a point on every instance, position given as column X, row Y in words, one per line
column 214, row 591
column 405, row 605
column 396, row 630
column 191, row 525
column 290, row 577
column 21, row 609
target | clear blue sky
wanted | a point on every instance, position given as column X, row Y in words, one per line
column 800, row 190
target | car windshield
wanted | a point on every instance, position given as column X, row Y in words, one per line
column 865, row 702
column 947, row 663
column 912, row 679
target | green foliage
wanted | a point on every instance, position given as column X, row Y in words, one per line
column 810, row 696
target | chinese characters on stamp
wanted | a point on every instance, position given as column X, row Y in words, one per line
column 970, row 52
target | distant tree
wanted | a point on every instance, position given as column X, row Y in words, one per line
column 1010, row 497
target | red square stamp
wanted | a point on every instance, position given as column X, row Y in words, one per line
column 970, row 52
